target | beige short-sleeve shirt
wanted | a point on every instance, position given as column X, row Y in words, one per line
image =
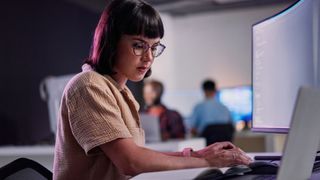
column 94, row 111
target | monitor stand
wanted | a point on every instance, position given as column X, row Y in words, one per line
column 303, row 138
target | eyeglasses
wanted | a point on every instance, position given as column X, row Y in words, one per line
column 139, row 48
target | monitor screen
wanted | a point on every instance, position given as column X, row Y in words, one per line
column 282, row 59
column 239, row 102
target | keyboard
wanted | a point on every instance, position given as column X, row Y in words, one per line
column 316, row 167
column 265, row 177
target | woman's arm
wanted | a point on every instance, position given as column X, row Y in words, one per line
column 180, row 154
column 132, row 159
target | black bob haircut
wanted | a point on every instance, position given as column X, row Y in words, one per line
column 129, row 17
column 209, row 85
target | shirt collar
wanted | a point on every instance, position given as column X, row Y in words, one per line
column 115, row 83
column 87, row 67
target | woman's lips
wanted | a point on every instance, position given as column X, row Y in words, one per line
column 143, row 69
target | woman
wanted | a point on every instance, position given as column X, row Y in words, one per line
column 171, row 122
column 99, row 135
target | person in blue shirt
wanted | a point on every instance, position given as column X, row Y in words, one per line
column 210, row 118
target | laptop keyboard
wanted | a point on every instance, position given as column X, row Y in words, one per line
column 265, row 177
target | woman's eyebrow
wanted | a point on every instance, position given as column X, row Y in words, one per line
column 139, row 39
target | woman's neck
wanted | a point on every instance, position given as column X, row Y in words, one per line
column 120, row 80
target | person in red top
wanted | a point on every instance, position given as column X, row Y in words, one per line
column 171, row 122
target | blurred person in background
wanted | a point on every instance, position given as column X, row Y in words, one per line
column 171, row 122
column 210, row 118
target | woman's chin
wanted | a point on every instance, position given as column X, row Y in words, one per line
column 137, row 78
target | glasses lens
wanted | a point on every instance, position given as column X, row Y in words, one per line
column 157, row 51
column 140, row 49
column 138, row 52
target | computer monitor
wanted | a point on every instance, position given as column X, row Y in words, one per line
column 282, row 59
column 239, row 102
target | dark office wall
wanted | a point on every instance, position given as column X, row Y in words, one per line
column 37, row 38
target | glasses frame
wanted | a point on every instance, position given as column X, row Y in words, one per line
column 146, row 49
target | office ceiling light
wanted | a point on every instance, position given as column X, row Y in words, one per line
column 181, row 4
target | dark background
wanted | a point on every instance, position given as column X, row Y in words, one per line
column 38, row 38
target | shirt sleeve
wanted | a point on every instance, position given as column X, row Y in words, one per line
column 95, row 117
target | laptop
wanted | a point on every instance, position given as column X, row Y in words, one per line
column 151, row 127
column 303, row 138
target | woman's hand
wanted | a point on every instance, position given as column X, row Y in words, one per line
column 223, row 154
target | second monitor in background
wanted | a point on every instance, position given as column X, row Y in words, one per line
column 239, row 102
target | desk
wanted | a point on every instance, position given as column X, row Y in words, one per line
column 188, row 174
column 183, row 174
column 259, row 142
column 40, row 154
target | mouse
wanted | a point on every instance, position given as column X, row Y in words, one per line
column 238, row 170
column 263, row 167
column 209, row 174
column 316, row 166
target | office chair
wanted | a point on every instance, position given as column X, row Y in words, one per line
column 218, row 133
column 24, row 169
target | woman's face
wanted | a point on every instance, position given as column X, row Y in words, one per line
column 130, row 66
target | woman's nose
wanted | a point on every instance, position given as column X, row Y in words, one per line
column 148, row 55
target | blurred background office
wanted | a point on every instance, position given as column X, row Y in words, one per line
column 170, row 121
column 210, row 118
column 204, row 39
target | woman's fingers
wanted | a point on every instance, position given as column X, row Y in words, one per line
column 228, row 145
column 241, row 150
column 224, row 158
column 220, row 158
column 224, row 154
column 244, row 155
column 217, row 146
column 241, row 158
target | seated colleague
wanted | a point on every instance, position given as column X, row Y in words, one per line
column 99, row 134
column 171, row 122
column 211, row 119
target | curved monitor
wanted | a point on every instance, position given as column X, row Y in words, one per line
column 282, row 55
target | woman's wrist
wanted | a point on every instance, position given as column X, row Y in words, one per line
column 196, row 154
column 187, row 152
column 201, row 162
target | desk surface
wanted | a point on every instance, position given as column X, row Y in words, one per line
column 26, row 150
column 184, row 173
